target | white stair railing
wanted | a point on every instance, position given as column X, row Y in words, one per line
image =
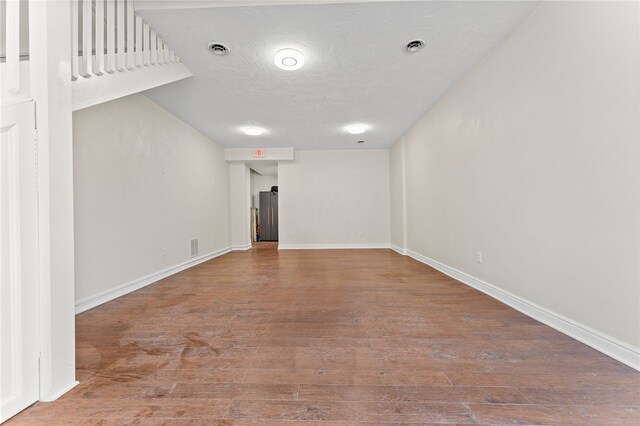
column 11, row 48
column 107, row 37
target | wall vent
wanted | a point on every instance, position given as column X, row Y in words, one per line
column 194, row 246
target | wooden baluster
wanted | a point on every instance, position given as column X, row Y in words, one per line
column 111, row 36
column 120, row 29
column 98, row 60
column 146, row 34
column 139, row 42
column 130, row 35
column 75, row 66
column 154, row 48
column 166, row 54
column 87, row 41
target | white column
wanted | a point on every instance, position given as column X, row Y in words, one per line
column 50, row 50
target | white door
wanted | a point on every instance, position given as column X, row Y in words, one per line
column 18, row 260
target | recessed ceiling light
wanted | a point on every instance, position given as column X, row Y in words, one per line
column 356, row 129
column 413, row 45
column 288, row 59
column 253, row 131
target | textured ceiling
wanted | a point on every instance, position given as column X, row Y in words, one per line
column 355, row 68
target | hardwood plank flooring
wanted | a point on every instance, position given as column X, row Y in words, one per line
column 329, row 337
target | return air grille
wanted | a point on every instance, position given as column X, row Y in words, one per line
column 194, row 246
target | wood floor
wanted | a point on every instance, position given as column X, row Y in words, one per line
column 332, row 337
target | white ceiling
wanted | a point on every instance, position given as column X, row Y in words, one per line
column 355, row 69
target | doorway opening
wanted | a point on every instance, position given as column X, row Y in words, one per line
column 264, row 202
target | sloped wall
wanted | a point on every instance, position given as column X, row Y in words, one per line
column 145, row 184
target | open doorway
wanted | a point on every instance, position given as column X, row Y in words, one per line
column 264, row 201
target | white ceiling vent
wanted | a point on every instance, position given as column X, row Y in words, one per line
column 414, row 45
column 218, row 48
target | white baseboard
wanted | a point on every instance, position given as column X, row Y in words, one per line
column 57, row 394
column 398, row 249
column 113, row 293
column 242, row 247
column 339, row 246
column 608, row 345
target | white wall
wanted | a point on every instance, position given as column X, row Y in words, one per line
column 260, row 183
column 397, row 195
column 334, row 198
column 533, row 160
column 240, row 204
column 144, row 182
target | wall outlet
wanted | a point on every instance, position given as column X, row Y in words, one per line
column 164, row 251
column 479, row 257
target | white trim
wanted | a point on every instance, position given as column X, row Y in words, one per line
column 242, row 247
column 398, row 249
column 87, row 92
column 608, row 345
column 59, row 393
column 269, row 154
column 113, row 293
column 339, row 246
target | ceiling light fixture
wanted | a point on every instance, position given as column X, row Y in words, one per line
column 356, row 129
column 288, row 59
column 253, row 131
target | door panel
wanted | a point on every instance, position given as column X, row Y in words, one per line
column 265, row 217
column 18, row 260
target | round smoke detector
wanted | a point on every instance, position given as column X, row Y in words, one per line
column 414, row 45
column 218, row 48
